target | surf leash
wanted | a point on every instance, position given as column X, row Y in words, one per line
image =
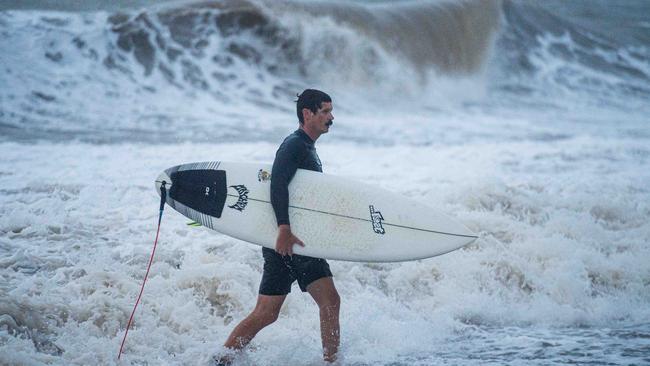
column 163, row 198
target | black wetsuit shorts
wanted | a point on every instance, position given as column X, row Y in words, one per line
column 280, row 272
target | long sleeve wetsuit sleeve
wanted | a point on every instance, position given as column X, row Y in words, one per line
column 285, row 165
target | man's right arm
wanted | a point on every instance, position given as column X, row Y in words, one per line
column 285, row 165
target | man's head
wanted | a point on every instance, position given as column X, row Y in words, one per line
column 314, row 110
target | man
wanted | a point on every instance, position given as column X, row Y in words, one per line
column 281, row 266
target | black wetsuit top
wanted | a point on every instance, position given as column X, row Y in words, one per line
column 296, row 152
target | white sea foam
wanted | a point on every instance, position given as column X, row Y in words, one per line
column 559, row 246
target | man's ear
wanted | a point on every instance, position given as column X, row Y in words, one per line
column 306, row 113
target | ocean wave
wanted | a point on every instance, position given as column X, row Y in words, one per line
column 111, row 75
column 547, row 54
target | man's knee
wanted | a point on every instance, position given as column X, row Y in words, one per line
column 330, row 303
column 265, row 316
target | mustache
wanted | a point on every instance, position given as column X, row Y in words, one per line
column 329, row 123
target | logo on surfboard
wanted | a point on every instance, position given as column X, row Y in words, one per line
column 242, row 201
column 263, row 176
column 376, row 218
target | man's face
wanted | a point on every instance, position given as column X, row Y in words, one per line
column 321, row 120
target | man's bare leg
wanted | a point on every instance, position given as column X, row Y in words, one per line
column 329, row 303
column 266, row 312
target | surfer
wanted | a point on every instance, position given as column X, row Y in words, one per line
column 281, row 266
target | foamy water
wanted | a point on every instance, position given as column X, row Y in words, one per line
column 534, row 134
column 554, row 257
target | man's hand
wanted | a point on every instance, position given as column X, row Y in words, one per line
column 285, row 241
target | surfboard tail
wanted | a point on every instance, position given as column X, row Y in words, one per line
column 163, row 177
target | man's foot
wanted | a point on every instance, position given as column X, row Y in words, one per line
column 330, row 359
column 219, row 360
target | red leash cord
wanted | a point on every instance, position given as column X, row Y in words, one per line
column 163, row 197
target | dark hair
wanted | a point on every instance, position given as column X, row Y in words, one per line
column 312, row 100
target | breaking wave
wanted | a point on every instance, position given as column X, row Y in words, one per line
column 108, row 75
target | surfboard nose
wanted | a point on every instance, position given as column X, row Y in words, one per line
column 472, row 236
column 464, row 231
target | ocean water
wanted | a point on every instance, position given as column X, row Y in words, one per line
column 527, row 122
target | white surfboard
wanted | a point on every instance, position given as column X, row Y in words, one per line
column 336, row 218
